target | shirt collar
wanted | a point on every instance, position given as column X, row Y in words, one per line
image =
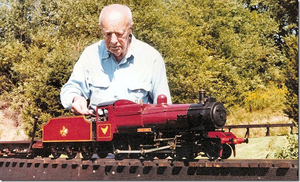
column 106, row 54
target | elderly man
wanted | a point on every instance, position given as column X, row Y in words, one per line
column 118, row 67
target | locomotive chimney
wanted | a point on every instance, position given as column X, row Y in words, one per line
column 201, row 96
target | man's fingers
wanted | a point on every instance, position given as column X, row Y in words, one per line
column 91, row 111
column 79, row 106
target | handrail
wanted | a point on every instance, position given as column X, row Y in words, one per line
column 268, row 126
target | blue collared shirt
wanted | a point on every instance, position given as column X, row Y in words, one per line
column 140, row 75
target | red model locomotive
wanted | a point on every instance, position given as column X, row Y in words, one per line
column 134, row 130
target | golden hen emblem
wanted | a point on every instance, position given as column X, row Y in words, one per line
column 104, row 130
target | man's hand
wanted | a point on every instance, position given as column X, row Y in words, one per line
column 79, row 106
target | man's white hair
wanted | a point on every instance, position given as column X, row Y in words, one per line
column 120, row 5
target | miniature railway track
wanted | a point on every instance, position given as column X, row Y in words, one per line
column 133, row 169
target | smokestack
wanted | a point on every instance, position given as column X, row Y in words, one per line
column 201, row 96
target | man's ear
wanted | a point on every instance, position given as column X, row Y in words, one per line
column 131, row 26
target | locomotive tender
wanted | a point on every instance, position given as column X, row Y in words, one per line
column 134, row 130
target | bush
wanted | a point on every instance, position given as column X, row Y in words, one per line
column 291, row 150
column 266, row 97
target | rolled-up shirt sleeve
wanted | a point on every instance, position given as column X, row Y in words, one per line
column 159, row 80
column 76, row 85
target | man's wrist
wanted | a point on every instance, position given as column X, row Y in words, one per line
column 76, row 98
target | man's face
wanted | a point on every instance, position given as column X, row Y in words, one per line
column 116, row 31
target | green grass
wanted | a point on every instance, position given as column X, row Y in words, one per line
column 260, row 148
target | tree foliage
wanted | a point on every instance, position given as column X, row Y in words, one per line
column 285, row 12
column 222, row 47
column 292, row 79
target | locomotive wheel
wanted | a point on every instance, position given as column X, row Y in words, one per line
column 227, row 151
column 121, row 156
column 191, row 156
column 161, row 155
column 134, row 156
column 149, row 156
column 87, row 155
column 213, row 151
column 212, row 155
column 55, row 153
column 102, row 154
column 87, row 152
column 70, row 153
column 103, row 150
column 43, row 154
column 184, row 156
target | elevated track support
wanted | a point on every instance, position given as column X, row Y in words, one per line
column 110, row 169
